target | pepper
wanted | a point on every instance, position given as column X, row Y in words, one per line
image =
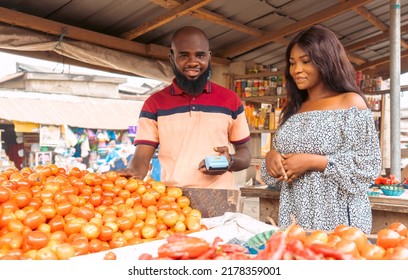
column 183, row 247
column 274, row 248
column 329, row 252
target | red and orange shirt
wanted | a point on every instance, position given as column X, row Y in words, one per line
column 188, row 128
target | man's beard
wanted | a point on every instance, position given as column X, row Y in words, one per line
column 192, row 87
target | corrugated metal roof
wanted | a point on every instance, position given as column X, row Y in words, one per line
column 76, row 111
column 267, row 24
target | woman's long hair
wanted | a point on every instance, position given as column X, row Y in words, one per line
column 327, row 53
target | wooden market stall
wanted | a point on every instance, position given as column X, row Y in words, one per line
column 385, row 209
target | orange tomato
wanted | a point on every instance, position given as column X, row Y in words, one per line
column 296, row 232
column 399, row 227
column 388, row 238
column 36, row 240
column 373, row 252
column 357, row 236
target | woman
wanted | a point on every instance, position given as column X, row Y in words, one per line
column 325, row 152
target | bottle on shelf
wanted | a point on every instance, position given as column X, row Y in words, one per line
column 278, row 111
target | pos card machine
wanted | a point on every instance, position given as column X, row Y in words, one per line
column 216, row 163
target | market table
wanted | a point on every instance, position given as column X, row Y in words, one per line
column 385, row 209
column 228, row 226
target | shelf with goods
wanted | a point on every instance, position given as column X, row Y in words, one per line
column 262, row 95
column 379, row 104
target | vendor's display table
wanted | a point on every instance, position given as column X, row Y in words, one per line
column 385, row 209
column 228, row 226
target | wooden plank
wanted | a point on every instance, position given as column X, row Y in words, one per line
column 385, row 210
column 320, row 16
column 167, row 17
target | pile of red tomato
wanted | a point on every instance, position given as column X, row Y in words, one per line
column 51, row 213
column 389, row 243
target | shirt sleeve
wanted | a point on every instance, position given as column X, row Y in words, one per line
column 354, row 167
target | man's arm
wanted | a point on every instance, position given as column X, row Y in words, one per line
column 241, row 159
column 139, row 164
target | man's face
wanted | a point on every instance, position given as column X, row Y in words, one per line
column 190, row 58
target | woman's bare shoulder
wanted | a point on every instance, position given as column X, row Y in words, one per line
column 353, row 99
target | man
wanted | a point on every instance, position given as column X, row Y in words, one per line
column 192, row 118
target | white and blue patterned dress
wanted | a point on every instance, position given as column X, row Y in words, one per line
column 338, row 195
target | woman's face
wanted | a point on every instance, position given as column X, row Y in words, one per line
column 303, row 71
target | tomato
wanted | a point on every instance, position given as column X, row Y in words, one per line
column 388, row 238
column 118, row 240
column 11, row 240
column 124, row 223
column 64, row 208
column 403, row 243
column 131, row 185
column 170, row 218
column 192, row 224
column 48, row 211
column 90, row 230
column 399, row 227
column 73, row 226
column 80, row 246
column 4, row 194
column 195, row 213
column 46, row 254
column 183, row 201
column 339, row 229
column 59, row 235
column 348, row 247
column 64, row 251
column 95, row 245
column 36, row 179
column 148, row 231
column 106, row 233
column 57, row 223
column 174, row 192
column 86, row 213
column 159, row 187
column 110, row 256
column 75, row 171
column 180, row 226
column 10, row 205
column 15, row 225
column 372, row 252
column 22, row 199
column 397, row 253
column 112, row 176
column 34, row 219
column 357, row 236
column 36, row 240
column 296, row 232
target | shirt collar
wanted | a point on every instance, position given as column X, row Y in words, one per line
column 175, row 90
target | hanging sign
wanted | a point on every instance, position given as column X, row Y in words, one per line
column 49, row 135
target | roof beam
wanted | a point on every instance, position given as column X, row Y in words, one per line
column 380, row 61
column 373, row 40
column 56, row 28
column 205, row 14
column 170, row 15
column 315, row 18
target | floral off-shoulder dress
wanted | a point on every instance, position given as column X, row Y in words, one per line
column 338, row 195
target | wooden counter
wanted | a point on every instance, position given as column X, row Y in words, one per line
column 385, row 209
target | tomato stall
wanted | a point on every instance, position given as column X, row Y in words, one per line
column 388, row 198
column 49, row 213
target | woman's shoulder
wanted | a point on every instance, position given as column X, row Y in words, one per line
column 353, row 99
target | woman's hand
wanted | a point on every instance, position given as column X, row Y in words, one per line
column 274, row 166
column 297, row 164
